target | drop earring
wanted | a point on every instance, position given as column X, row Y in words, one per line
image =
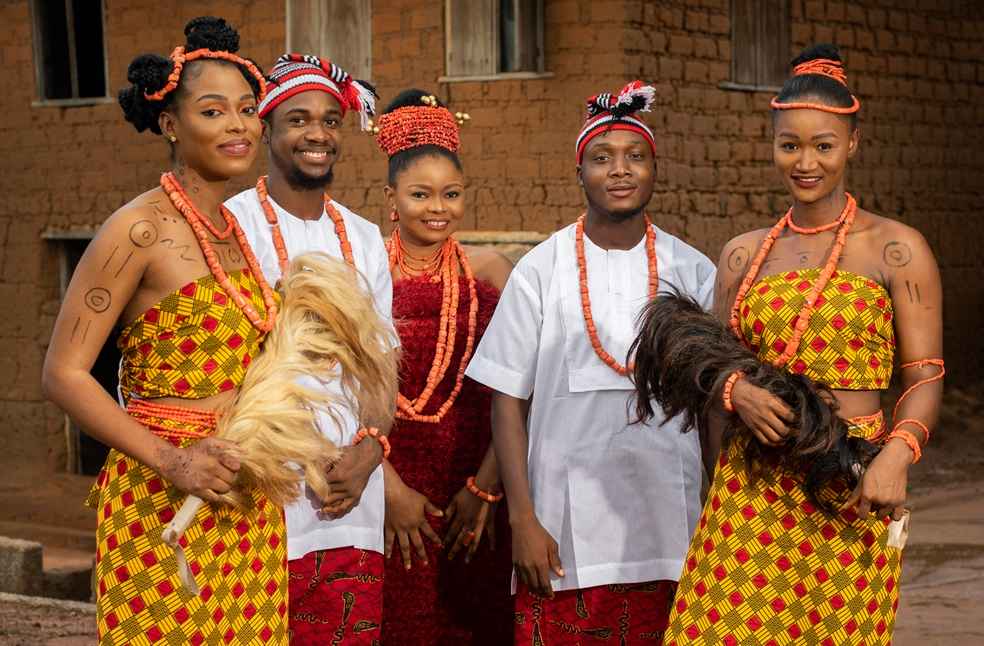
column 394, row 216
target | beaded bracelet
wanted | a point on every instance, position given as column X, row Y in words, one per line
column 729, row 386
column 484, row 495
column 915, row 422
column 910, row 441
column 373, row 432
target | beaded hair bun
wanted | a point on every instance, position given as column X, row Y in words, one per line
column 818, row 82
column 413, row 126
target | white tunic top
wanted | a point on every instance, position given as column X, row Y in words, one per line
column 621, row 500
column 362, row 527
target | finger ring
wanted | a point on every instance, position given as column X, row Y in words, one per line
column 469, row 537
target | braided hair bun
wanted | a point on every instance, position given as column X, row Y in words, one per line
column 211, row 33
column 148, row 73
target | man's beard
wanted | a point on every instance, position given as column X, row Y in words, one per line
column 300, row 181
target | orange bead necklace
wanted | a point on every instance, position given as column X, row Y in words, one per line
column 443, row 267
column 582, row 270
column 421, row 266
column 199, row 224
column 844, row 222
column 278, row 238
column 795, row 228
column 207, row 222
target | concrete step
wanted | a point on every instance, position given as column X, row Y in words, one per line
column 20, row 567
column 68, row 573
column 46, row 560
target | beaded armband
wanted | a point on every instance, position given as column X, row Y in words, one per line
column 897, row 430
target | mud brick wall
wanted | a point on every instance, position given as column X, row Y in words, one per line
column 917, row 66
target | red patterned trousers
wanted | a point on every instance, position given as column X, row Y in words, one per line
column 620, row 615
column 336, row 598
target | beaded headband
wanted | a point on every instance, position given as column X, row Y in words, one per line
column 617, row 112
column 413, row 126
column 821, row 67
column 179, row 59
column 296, row 73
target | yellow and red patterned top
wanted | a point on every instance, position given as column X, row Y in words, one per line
column 194, row 343
column 850, row 341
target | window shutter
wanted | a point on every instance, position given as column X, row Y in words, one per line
column 472, row 37
column 744, row 41
column 773, row 50
column 522, row 43
column 759, row 42
column 304, row 26
column 339, row 30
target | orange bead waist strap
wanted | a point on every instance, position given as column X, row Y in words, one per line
column 175, row 423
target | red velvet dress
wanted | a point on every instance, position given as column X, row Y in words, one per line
column 444, row 602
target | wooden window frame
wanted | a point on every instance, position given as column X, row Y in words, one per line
column 41, row 101
column 762, row 18
column 353, row 70
column 494, row 52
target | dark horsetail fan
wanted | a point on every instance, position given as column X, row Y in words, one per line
column 684, row 355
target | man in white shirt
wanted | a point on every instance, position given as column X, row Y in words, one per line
column 335, row 558
column 601, row 509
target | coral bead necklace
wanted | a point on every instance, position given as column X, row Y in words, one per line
column 202, row 227
column 417, row 266
column 843, row 224
column 442, row 267
column 278, row 238
column 582, row 270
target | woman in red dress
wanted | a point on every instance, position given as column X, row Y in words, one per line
column 450, row 582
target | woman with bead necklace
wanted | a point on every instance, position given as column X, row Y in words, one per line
column 442, row 476
column 174, row 270
column 830, row 292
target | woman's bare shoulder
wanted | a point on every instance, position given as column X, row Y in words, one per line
column 489, row 265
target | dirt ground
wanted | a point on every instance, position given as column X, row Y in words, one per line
column 24, row 621
column 942, row 590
